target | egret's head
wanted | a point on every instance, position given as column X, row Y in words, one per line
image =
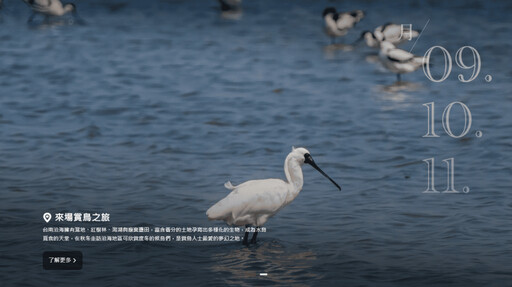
column 329, row 10
column 303, row 156
column 299, row 154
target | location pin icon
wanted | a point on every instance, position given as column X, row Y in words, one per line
column 47, row 217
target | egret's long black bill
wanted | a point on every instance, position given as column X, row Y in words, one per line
column 309, row 160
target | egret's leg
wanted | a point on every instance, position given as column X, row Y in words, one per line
column 332, row 40
column 253, row 239
column 398, row 77
column 246, row 236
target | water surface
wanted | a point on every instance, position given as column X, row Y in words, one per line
column 145, row 112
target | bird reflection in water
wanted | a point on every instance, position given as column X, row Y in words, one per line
column 332, row 51
column 397, row 95
column 400, row 86
column 339, row 47
column 284, row 266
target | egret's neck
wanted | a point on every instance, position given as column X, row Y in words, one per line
column 293, row 171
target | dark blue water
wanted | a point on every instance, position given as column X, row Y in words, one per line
column 145, row 112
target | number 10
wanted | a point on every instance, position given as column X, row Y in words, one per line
column 431, row 133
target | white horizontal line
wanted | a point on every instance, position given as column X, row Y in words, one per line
column 263, row 274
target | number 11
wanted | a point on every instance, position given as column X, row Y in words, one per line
column 450, row 178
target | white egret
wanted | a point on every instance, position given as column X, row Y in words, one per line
column 338, row 24
column 50, row 8
column 255, row 201
column 397, row 60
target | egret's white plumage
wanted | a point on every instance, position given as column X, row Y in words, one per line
column 397, row 60
column 338, row 24
column 254, row 202
column 50, row 7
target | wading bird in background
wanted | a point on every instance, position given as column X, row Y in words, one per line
column 397, row 60
column 231, row 9
column 50, row 8
column 255, row 201
column 338, row 24
column 393, row 33
column 230, row 5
